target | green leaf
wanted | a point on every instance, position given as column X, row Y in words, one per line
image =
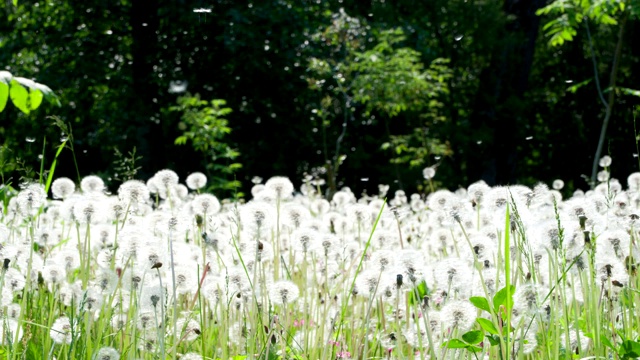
column 19, row 96
column 53, row 165
column 488, row 326
column 49, row 95
column 626, row 91
column 5, row 81
column 474, row 348
column 180, row 140
column 572, row 89
column 493, row 340
column 629, row 349
column 473, row 337
column 500, row 298
column 455, row 344
column 35, row 98
column 480, row 302
column 606, row 342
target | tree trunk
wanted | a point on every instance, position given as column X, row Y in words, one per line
column 610, row 100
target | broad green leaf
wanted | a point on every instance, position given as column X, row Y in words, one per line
column 480, row 302
column 500, row 298
column 455, row 344
column 474, row 348
column 49, row 95
column 629, row 349
column 19, row 96
column 487, row 326
column 35, row 98
column 4, row 95
column 493, row 340
column 473, row 337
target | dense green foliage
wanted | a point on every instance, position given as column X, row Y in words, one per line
column 345, row 92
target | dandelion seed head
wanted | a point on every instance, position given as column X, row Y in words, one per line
column 342, row 198
column 576, row 341
column 283, row 292
column 106, row 353
column 89, row 211
column 281, row 185
column 53, row 274
column 459, row 314
column 429, row 172
column 14, row 280
column 605, row 161
column 382, row 260
column 294, row 215
column 558, row 184
column 359, row 214
column 30, row 199
column 205, row 204
column 62, row 187
column 257, row 216
column 190, row 329
column 61, row 331
column 440, row 199
column 92, row 184
column 196, row 181
column 133, row 192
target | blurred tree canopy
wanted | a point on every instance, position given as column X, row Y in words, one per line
column 356, row 93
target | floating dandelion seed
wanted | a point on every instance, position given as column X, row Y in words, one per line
column 202, row 11
column 178, row 86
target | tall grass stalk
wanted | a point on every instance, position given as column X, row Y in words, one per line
column 347, row 296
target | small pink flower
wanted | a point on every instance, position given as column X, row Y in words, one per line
column 344, row 355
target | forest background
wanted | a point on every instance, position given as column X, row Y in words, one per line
column 347, row 93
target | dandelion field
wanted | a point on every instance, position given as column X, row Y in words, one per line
column 162, row 270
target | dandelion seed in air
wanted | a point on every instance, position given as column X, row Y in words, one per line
column 202, row 11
